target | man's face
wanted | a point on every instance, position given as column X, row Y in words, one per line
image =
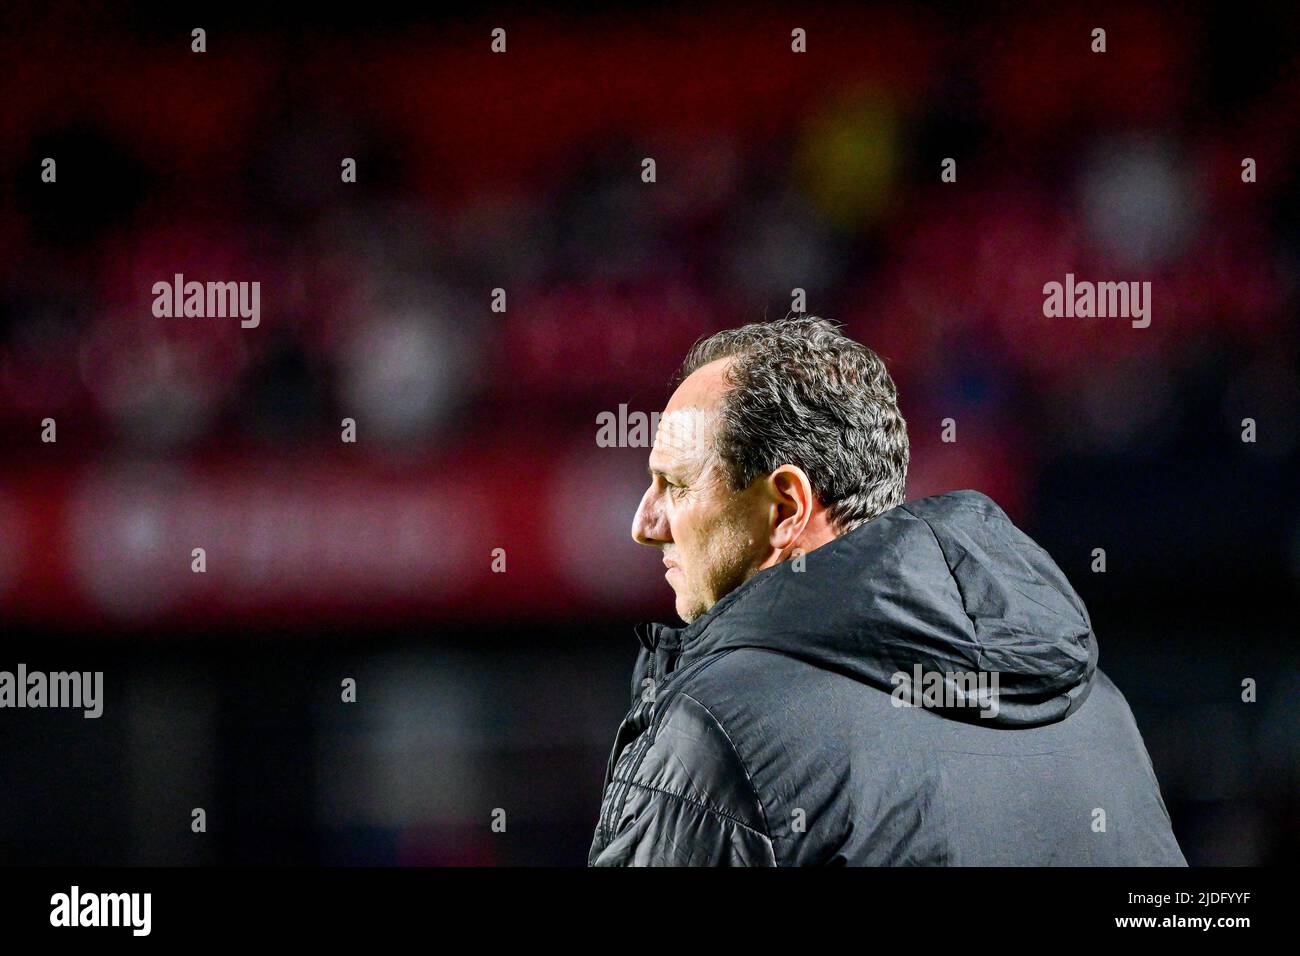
column 713, row 538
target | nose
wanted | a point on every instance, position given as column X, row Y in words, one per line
column 650, row 524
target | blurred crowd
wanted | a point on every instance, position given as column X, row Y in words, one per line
column 522, row 171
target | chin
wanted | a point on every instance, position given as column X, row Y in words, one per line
column 686, row 612
column 689, row 610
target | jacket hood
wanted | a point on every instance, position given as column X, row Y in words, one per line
column 947, row 584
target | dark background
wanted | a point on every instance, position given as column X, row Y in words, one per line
column 476, row 430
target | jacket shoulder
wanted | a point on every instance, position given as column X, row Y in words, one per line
column 830, row 758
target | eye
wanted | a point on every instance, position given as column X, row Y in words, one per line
column 671, row 487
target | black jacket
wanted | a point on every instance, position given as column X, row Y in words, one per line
column 768, row 731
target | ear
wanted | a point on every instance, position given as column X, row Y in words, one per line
column 793, row 506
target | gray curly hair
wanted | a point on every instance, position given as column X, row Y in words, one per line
column 803, row 394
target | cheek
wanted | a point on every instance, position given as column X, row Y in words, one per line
column 724, row 545
column 683, row 528
column 689, row 525
column 714, row 536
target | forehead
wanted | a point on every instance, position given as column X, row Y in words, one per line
column 683, row 438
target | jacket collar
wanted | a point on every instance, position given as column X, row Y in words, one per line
column 653, row 635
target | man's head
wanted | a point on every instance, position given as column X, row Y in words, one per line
column 780, row 437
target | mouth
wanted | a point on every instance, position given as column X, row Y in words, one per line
column 672, row 568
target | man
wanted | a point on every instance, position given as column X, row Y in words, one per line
column 860, row 681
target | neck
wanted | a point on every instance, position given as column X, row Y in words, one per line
column 816, row 533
